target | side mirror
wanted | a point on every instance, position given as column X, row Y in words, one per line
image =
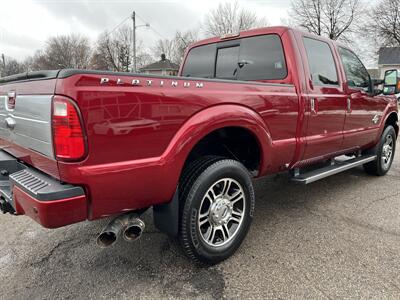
column 391, row 84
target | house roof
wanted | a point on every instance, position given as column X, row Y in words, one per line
column 389, row 56
column 163, row 64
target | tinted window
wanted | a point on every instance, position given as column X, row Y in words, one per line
column 321, row 63
column 257, row 58
column 200, row 62
column 261, row 57
column 356, row 74
column 227, row 63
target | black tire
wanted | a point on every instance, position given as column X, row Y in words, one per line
column 196, row 181
column 379, row 167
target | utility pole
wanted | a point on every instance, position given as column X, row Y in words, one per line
column 3, row 62
column 134, row 41
column 134, row 62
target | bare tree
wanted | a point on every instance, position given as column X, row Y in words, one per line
column 114, row 51
column 143, row 59
column 229, row 18
column 167, row 47
column 174, row 49
column 331, row 18
column 64, row 51
column 385, row 18
column 10, row 66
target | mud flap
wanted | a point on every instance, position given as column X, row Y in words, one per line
column 166, row 216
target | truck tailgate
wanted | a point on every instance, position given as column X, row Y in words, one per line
column 25, row 122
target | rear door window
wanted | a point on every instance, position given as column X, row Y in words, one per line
column 320, row 62
column 253, row 58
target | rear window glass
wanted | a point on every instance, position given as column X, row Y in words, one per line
column 200, row 62
column 253, row 58
column 227, row 63
column 321, row 63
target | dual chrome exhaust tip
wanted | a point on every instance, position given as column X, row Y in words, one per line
column 129, row 226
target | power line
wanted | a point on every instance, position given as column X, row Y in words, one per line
column 151, row 27
column 143, row 20
column 116, row 27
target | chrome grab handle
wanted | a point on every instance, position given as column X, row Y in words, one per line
column 312, row 103
column 348, row 104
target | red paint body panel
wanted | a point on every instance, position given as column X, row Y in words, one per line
column 157, row 150
column 140, row 135
column 51, row 214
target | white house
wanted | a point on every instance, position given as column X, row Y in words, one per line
column 389, row 58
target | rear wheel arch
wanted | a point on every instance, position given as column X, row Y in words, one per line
column 212, row 119
column 234, row 142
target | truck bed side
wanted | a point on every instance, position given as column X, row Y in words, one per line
column 139, row 135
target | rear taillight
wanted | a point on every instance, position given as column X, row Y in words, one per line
column 68, row 136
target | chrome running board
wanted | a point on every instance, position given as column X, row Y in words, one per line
column 334, row 168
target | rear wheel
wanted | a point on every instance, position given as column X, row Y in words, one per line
column 384, row 151
column 216, row 210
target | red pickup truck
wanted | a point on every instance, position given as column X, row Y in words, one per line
column 82, row 145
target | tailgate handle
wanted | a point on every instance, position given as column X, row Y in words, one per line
column 10, row 122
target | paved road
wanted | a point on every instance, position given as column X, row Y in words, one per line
column 336, row 238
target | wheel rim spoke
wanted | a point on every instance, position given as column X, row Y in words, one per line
column 225, row 229
column 214, row 196
column 234, row 219
column 237, row 213
column 237, row 198
column 207, row 196
column 227, row 186
column 210, row 237
column 203, row 218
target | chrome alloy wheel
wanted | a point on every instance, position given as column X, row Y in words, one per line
column 221, row 212
column 387, row 151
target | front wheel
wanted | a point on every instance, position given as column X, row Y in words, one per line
column 218, row 204
column 384, row 151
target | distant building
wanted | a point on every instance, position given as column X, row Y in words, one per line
column 389, row 58
column 375, row 73
column 162, row 67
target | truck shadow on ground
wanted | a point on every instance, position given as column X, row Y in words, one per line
column 68, row 260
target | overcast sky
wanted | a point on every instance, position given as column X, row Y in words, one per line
column 26, row 24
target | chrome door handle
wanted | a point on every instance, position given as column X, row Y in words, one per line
column 312, row 104
column 348, row 104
